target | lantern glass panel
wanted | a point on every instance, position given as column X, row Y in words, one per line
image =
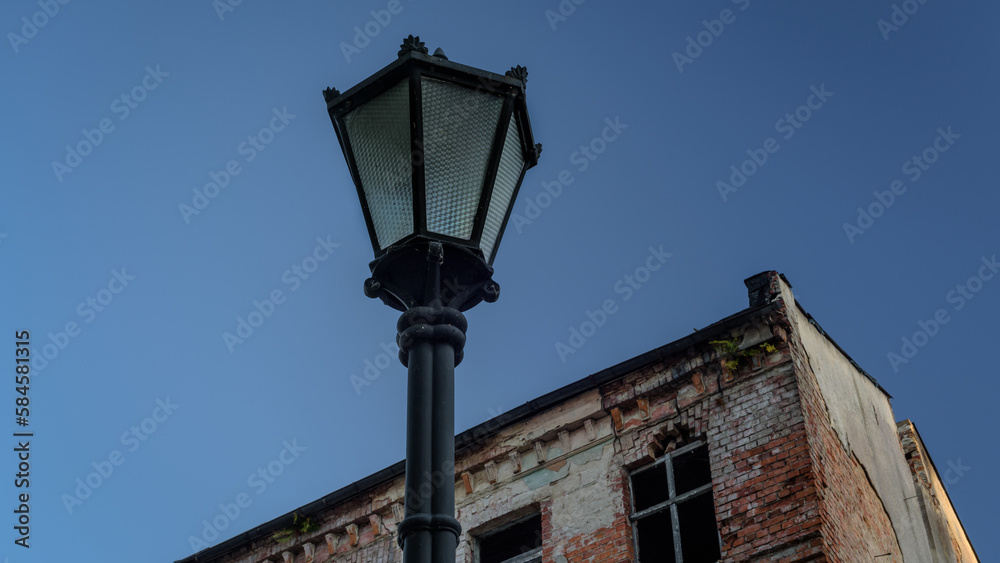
column 379, row 133
column 508, row 173
column 459, row 126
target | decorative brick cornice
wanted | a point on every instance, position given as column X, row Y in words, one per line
column 515, row 461
column 541, row 451
column 352, row 535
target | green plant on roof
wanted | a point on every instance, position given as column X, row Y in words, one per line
column 307, row 526
column 730, row 353
column 300, row 525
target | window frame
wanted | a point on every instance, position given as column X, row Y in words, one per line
column 673, row 499
column 533, row 556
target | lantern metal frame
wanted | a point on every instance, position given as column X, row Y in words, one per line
column 466, row 272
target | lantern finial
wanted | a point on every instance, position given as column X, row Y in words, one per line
column 519, row 72
column 411, row 43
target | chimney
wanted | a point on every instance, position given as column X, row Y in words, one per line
column 765, row 287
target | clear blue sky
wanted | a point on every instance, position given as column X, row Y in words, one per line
column 196, row 86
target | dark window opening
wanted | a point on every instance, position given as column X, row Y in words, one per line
column 673, row 512
column 692, row 470
column 699, row 531
column 655, row 537
column 649, row 488
column 520, row 542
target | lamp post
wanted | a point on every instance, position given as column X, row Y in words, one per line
column 437, row 151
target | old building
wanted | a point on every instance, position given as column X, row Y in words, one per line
column 754, row 439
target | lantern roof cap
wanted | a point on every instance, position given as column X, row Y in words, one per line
column 414, row 53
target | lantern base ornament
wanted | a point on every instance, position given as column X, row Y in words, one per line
column 422, row 271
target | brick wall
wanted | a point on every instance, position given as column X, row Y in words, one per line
column 766, row 501
column 766, row 496
column 610, row 544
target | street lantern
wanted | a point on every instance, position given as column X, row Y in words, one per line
column 437, row 151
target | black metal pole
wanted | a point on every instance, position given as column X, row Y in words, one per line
column 417, row 543
column 430, row 340
column 443, row 448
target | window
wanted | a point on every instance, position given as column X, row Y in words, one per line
column 673, row 514
column 518, row 542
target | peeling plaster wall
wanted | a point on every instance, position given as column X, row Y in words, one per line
column 580, row 493
column 950, row 542
column 863, row 420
